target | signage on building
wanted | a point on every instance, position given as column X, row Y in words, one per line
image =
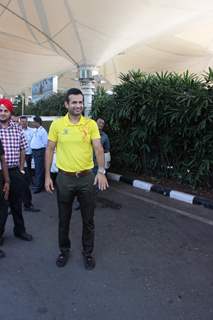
column 44, row 88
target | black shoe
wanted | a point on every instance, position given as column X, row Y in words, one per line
column 1, row 240
column 2, row 254
column 89, row 262
column 31, row 209
column 62, row 259
column 24, row 236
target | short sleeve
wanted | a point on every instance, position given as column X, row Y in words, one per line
column 1, row 149
column 53, row 132
column 23, row 141
column 94, row 131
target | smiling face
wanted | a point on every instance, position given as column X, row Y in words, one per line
column 5, row 114
column 75, row 105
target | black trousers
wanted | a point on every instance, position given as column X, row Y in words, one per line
column 27, row 195
column 67, row 188
column 28, row 169
column 3, row 206
column 15, row 203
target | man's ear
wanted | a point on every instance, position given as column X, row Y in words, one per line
column 66, row 105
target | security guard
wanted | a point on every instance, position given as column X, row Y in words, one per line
column 74, row 138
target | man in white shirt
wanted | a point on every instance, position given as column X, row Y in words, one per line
column 38, row 145
column 27, row 196
column 28, row 132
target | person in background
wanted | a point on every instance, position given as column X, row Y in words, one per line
column 15, row 119
column 38, row 145
column 76, row 137
column 14, row 144
column 28, row 132
column 105, row 143
column 104, row 137
column 4, row 186
column 27, row 195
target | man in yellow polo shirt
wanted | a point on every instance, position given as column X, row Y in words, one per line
column 75, row 137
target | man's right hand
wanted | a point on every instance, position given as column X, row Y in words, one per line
column 49, row 185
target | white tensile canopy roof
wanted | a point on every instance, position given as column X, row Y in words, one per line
column 39, row 38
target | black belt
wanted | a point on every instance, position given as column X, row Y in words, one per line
column 76, row 174
column 38, row 149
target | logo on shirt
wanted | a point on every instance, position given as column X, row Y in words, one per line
column 66, row 131
column 85, row 133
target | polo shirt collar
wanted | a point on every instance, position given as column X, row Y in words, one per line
column 68, row 122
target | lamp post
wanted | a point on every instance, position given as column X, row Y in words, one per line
column 22, row 103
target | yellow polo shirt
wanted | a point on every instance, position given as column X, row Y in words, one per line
column 74, row 150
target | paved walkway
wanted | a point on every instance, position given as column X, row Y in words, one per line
column 153, row 263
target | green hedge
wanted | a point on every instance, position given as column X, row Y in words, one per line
column 161, row 125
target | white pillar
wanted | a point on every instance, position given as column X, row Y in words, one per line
column 88, row 93
column 87, row 86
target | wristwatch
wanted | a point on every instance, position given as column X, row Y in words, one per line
column 101, row 171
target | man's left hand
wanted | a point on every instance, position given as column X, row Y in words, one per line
column 6, row 190
column 101, row 181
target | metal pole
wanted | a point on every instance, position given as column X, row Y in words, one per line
column 22, row 104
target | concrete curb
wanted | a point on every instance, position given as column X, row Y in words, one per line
column 173, row 194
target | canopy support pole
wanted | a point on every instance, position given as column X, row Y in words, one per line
column 87, row 86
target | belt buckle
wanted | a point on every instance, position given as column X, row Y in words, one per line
column 77, row 174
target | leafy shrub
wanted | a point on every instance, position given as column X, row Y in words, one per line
column 161, row 124
column 52, row 106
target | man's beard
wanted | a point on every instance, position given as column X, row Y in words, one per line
column 75, row 114
column 4, row 120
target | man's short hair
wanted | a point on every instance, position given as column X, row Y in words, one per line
column 37, row 119
column 74, row 91
column 101, row 119
column 23, row 117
